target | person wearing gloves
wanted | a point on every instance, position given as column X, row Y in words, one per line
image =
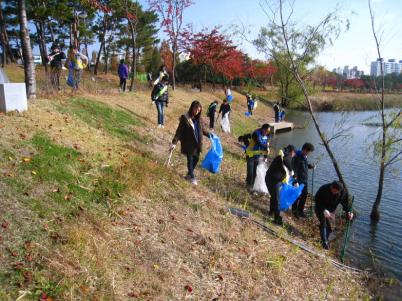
column 257, row 148
column 160, row 97
column 301, row 167
column 327, row 198
column 189, row 133
column 278, row 172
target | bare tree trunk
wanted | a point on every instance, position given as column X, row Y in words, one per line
column 134, row 58
column 174, row 68
column 29, row 67
column 42, row 44
column 102, row 44
column 50, row 27
column 310, row 107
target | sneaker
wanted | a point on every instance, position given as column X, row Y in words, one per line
column 163, row 126
column 187, row 177
column 159, row 126
column 325, row 245
column 194, row 182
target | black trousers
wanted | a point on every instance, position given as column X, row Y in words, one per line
column 325, row 226
column 212, row 122
column 298, row 206
column 192, row 161
column 250, row 109
column 273, row 188
column 251, row 170
column 123, row 82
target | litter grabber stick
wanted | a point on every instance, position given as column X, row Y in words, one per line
column 168, row 161
column 346, row 237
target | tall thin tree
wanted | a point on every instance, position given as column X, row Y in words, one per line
column 29, row 67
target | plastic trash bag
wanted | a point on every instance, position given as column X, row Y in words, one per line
column 255, row 105
column 229, row 98
column 247, row 114
column 288, row 194
column 70, row 78
column 213, row 159
column 225, row 123
column 259, row 182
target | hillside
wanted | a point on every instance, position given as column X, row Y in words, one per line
column 89, row 212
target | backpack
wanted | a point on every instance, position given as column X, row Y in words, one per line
column 209, row 111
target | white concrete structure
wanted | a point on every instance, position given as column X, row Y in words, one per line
column 390, row 67
column 13, row 97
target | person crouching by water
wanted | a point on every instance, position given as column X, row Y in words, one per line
column 279, row 172
column 257, row 148
column 327, row 198
column 189, row 133
column 160, row 97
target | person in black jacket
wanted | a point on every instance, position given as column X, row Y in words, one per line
column 211, row 114
column 301, row 167
column 160, row 97
column 278, row 171
column 327, row 198
column 190, row 132
column 277, row 110
column 56, row 58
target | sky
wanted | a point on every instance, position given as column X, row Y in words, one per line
column 355, row 47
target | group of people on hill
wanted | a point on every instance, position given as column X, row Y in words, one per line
column 290, row 166
column 75, row 62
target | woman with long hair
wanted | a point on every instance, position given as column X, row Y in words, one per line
column 189, row 133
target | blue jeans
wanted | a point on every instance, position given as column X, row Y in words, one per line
column 159, row 106
column 192, row 161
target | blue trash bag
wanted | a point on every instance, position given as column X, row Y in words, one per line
column 213, row 159
column 70, row 78
column 229, row 98
column 288, row 194
column 247, row 114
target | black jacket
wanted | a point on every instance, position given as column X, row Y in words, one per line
column 57, row 59
column 288, row 161
column 212, row 110
column 276, row 172
column 324, row 199
column 225, row 108
column 186, row 134
column 301, row 167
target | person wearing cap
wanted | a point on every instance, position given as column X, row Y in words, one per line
column 327, row 199
column 279, row 172
column 56, row 58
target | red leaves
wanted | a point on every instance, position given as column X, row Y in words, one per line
column 188, row 288
column 354, row 83
column 5, row 225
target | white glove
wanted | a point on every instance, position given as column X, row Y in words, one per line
column 328, row 214
column 172, row 147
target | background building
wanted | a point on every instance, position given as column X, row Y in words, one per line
column 348, row 73
column 392, row 66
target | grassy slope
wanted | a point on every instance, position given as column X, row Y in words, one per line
column 89, row 212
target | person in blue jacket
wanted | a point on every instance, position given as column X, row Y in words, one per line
column 123, row 75
column 301, row 167
column 258, row 147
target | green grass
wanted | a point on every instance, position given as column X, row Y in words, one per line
column 115, row 122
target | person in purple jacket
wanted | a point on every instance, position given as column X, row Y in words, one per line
column 123, row 74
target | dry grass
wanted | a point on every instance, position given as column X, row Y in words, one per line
column 158, row 239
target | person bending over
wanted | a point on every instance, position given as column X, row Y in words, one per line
column 327, row 198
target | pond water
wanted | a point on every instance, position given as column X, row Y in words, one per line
column 382, row 243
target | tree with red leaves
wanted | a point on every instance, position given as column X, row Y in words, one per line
column 260, row 71
column 216, row 54
column 167, row 56
column 355, row 84
column 171, row 12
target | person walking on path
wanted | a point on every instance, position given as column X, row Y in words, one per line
column 225, row 110
column 56, row 58
column 327, row 199
column 278, row 173
column 250, row 104
column 76, row 61
column 301, row 167
column 162, row 73
column 160, row 97
column 211, row 114
column 277, row 111
column 189, row 133
column 123, row 75
column 258, row 147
